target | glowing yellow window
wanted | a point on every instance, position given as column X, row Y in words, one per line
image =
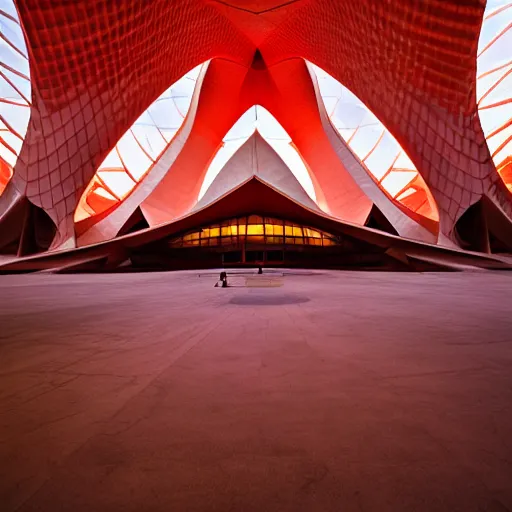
column 288, row 230
column 297, row 231
column 256, row 229
column 233, row 230
column 269, row 229
column 214, row 231
column 242, row 229
column 205, row 233
column 278, row 229
column 312, row 233
column 225, row 231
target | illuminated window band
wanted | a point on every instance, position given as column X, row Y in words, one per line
column 254, row 229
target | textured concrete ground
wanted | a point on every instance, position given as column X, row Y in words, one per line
column 337, row 391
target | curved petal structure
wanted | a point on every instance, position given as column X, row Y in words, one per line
column 287, row 92
column 15, row 90
column 138, row 149
column 494, row 84
column 95, row 66
column 256, row 157
column 375, row 147
column 259, row 119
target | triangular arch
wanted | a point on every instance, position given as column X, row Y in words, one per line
column 259, row 119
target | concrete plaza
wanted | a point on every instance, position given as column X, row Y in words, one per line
column 337, row 391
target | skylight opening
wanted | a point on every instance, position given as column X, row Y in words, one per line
column 140, row 147
column 494, row 84
column 15, row 89
column 370, row 140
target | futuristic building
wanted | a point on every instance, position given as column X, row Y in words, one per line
column 337, row 132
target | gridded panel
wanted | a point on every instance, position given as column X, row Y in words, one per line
column 96, row 66
column 414, row 65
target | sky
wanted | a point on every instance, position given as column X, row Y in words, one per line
column 497, row 55
column 17, row 112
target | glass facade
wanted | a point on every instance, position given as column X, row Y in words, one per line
column 254, row 229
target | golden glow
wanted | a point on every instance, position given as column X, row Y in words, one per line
column 312, row 233
column 254, row 230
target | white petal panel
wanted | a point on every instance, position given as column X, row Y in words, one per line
column 258, row 118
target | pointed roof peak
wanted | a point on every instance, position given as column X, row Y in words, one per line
column 256, row 158
column 258, row 62
column 258, row 138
